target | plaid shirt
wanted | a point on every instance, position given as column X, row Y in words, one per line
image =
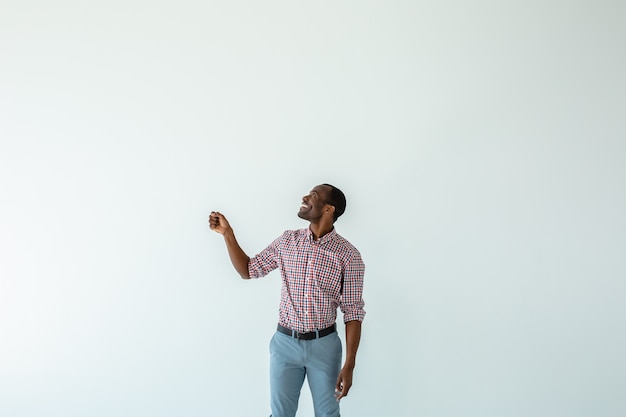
column 317, row 277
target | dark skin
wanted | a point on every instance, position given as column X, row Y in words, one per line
column 319, row 213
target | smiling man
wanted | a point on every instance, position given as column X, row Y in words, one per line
column 321, row 271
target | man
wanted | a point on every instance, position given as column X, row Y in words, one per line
column 320, row 272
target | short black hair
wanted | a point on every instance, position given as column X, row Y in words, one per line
column 337, row 199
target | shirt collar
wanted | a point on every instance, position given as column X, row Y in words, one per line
column 327, row 237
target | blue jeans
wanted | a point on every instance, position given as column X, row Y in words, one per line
column 291, row 360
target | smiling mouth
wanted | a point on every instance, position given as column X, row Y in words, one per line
column 304, row 206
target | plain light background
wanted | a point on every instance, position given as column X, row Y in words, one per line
column 481, row 145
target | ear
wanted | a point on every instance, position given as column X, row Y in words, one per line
column 329, row 209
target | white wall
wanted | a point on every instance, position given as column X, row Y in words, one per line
column 481, row 146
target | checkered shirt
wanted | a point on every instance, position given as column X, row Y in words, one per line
column 317, row 277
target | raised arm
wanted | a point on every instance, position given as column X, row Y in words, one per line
column 219, row 224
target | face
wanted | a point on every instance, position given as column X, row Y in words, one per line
column 314, row 204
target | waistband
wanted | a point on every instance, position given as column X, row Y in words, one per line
column 310, row 335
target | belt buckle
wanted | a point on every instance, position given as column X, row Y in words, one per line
column 299, row 335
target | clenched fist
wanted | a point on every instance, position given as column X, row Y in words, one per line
column 218, row 223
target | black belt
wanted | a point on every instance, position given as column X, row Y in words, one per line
column 309, row 335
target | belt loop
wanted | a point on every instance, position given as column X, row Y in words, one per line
column 317, row 334
column 293, row 334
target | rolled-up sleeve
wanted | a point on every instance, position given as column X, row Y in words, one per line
column 264, row 262
column 351, row 302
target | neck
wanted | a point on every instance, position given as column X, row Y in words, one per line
column 320, row 229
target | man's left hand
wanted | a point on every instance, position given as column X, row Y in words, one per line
column 344, row 382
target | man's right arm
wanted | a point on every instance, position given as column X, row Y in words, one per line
column 219, row 224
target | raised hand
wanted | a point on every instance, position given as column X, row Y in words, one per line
column 218, row 223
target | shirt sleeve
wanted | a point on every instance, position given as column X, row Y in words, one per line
column 351, row 302
column 264, row 262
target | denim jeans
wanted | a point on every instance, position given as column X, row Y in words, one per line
column 291, row 360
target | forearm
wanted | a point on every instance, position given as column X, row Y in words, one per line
column 237, row 256
column 353, row 337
